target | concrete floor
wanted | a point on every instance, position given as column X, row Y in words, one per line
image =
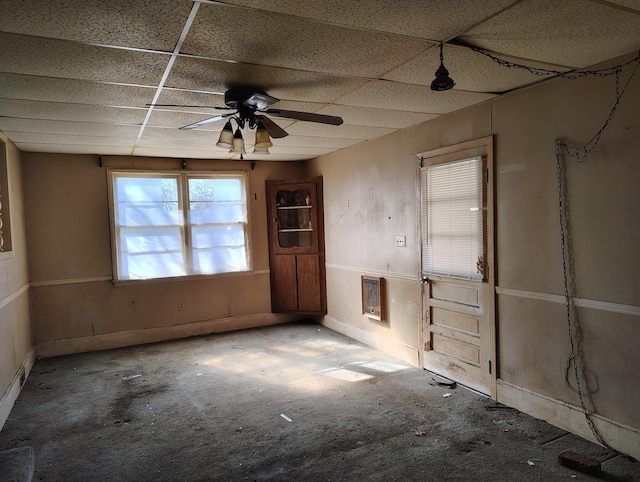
column 289, row 402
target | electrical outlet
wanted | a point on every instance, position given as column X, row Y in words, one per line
column 401, row 241
column 180, row 306
column 346, row 204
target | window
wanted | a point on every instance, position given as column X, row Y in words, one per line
column 155, row 236
column 452, row 219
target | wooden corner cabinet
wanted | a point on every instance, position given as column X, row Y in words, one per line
column 296, row 246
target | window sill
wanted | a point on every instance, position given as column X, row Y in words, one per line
column 199, row 277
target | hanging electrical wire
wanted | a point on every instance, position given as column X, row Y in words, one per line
column 580, row 154
column 571, row 74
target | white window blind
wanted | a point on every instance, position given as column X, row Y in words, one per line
column 155, row 237
column 452, row 214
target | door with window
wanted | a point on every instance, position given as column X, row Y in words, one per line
column 458, row 326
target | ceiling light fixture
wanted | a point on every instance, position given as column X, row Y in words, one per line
column 238, row 143
column 263, row 142
column 234, row 141
column 442, row 80
column 226, row 137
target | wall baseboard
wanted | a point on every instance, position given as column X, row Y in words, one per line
column 151, row 335
column 619, row 436
column 13, row 390
column 402, row 351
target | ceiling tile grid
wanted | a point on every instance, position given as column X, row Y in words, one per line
column 78, row 76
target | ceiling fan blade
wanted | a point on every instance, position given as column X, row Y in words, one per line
column 273, row 129
column 191, row 106
column 260, row 101
column 207, row 121
column 305, row 116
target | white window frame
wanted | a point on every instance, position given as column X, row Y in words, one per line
column 463, row 259
column 185, row 227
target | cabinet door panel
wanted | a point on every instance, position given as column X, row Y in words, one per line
column 309, row 282
column 293, row 217
column 285, row 293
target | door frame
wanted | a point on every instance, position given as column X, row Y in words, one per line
column 481, row 146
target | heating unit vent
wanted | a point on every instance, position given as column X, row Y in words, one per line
column 373, row 298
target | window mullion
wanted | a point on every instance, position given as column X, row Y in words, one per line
column 186, row 225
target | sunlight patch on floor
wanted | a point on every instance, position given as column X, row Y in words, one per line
column 344, row 374
column 385, row 367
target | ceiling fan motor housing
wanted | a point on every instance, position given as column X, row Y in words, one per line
column 236, row 96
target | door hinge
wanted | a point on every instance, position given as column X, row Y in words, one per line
column 489, row 367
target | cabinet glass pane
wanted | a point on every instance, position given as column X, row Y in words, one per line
column 295, row 225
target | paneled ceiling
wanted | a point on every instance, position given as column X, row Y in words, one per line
column 76, row 76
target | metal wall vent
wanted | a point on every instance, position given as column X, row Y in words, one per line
column 373, row 298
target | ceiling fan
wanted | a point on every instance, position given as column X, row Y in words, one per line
column 247, row 103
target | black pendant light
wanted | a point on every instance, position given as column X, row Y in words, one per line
column 442, row 80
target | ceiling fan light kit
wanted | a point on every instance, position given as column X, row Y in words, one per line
column 238, row 143
column 247, row 102
column 225, row 140
column 442, row 80
column 263, row 141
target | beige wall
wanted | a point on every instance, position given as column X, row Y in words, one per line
column 76, row 307
column 16, row 352
column 378, row 179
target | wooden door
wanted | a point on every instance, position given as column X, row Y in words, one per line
column 458, row 326
column 456, row 331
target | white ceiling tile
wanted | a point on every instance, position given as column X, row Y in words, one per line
column 74, row 148
column 274, row 39
column 413, row 98
column 373, row 117
column 26, row 109
column 574, row 33
column 65, row 127
column 145, row 24
column 196, row 136
column 435, row 19
column 630, row 4
column 169, row 143
column 64, row 59
column 26, row 87
column 175, row 120
column 70, row 140
column 343, row 132
column 307, row 152
column 179, row 153
column 315, row 141
column 287, row 84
